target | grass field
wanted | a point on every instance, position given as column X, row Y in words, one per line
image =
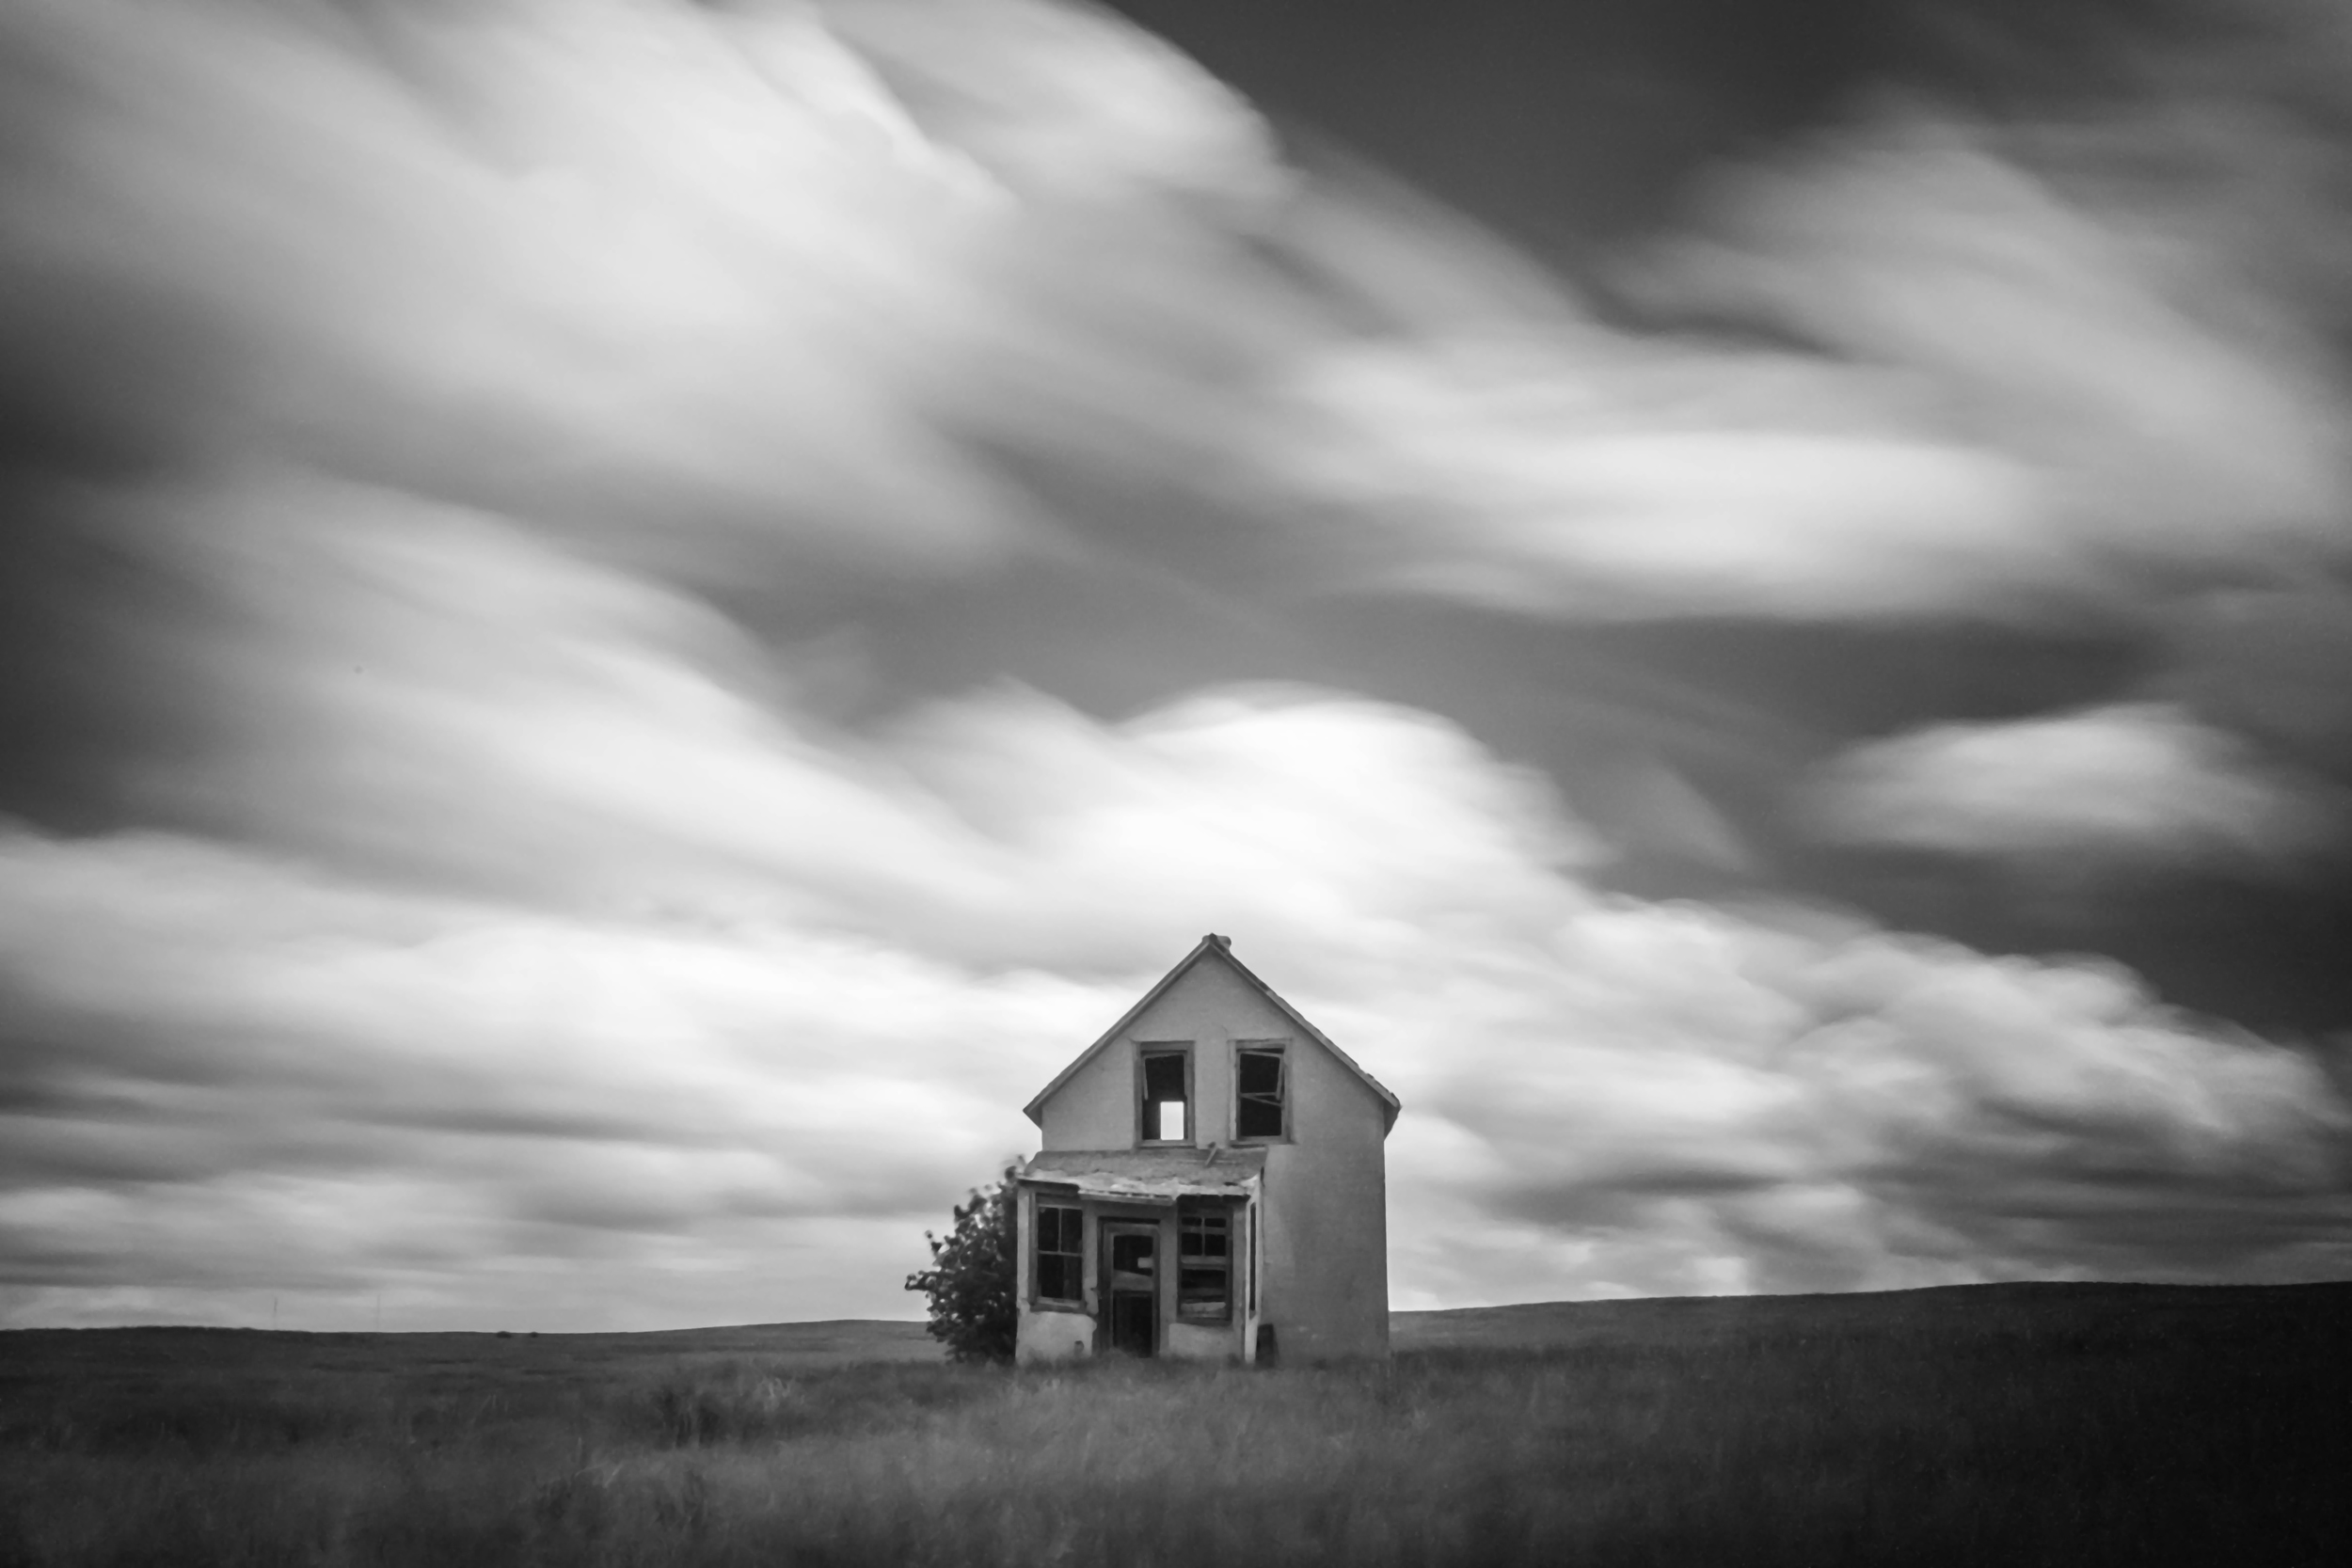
column 2001, row 1424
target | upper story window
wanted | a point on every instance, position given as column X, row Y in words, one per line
column 1260, row 1093
column 1167, row 1095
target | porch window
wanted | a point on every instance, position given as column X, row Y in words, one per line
column 1166, row 1097
column 1058, row 1273
column 1204, row 1266
column 1258, row 1085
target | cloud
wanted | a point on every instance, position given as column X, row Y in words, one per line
column 2009, row 403
column 814, row 282
column 1603, row 483
column 521, row 913
column 559, row 935
column 1702, row 1101
column 585, row 264
column 2125, row 362
column 2138, row 784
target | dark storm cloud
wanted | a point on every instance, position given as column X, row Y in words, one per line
column 529, row 512
column 2275, row 665
column 1564, row 125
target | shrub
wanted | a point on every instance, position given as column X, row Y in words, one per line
column 972, row 1279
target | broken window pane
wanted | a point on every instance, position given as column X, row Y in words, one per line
column 1058, row 1274
column 1257, row 1084
column 1204, row 1288
column 1130, row 1253
column 1164, row 1096
column 1205, row 1269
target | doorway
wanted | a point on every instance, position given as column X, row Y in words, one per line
column 1132, row 1322
column 1129, row 1256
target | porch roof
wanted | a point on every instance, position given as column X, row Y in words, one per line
column 1149, row 1175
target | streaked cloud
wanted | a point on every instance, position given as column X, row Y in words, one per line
column 2140, row 783
column 551, row 938
column 425, row 249
column 2011, row 403
column 2111, row 350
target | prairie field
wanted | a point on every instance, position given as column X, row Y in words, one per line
column 2014, row 1425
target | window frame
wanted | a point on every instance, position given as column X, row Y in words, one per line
column 1279, row 1049
column 1250, row 1217
column 1145, row 1050
column 1209, row 1219
column 1040, row 1205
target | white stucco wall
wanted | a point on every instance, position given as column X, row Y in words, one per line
column 1326, row 1246
column 1052, row 1336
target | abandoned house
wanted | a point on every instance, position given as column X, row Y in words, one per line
column 1212, row 1184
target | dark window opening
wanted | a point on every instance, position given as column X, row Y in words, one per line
column 1166, row 1098
column 1204, row 1266
column 1060, row 1253
column 1258, row 1084
column 1130, row 1253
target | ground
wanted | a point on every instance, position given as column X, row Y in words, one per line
column 2017, row 1424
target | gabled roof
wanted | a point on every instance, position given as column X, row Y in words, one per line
column 1221, row 947
column 1149, row 1175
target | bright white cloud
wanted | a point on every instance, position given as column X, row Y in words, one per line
column 588, row 263
column 1584, row 475
column 2135, row 784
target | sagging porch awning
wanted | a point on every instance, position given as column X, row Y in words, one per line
column 1149, row 1175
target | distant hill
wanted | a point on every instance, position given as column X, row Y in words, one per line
column 2028, row 1310
column 833, row 1340
column 2025, row 1308
column 457, row 1353
column 2029, row 1307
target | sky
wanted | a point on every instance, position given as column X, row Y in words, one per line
column 627, row 621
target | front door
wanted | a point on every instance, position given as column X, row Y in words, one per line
column 1133, row 1284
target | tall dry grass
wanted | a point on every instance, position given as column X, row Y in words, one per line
column 2035, row 1430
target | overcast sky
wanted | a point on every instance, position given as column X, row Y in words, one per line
column 627, row 621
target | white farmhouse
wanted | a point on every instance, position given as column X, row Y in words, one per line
column 1211, row 1186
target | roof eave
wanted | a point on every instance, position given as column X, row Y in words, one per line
column 1206, row 944
column 1389, row 1104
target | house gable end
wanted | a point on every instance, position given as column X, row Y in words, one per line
column 1219, row 948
